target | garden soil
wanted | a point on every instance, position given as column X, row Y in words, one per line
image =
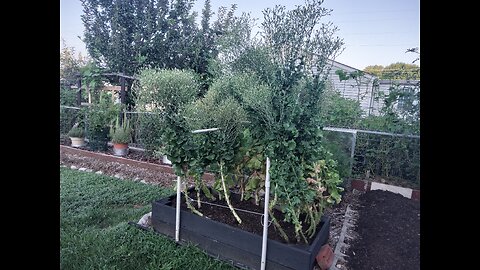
column 388, row 229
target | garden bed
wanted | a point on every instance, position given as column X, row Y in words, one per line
column 220, row 235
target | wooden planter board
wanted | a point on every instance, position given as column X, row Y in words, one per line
column 240, row 248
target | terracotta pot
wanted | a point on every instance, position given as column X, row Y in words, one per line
column 77, row 142
column 120, row 149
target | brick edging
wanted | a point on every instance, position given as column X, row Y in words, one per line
column 122, row 160
column 364, row 185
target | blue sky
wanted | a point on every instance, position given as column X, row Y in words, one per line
column 375, row 32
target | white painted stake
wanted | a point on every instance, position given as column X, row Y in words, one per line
column 265, row 217
column 177, row 218
column 204, row 130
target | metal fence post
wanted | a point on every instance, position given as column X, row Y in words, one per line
column 79, row 92
column 352, row 151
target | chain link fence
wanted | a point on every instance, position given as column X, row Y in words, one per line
column 146, row 129
column 377, row 156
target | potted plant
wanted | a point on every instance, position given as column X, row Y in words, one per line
column 77, row 135
column 121, row 134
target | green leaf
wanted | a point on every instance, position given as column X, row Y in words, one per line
column 291, row 145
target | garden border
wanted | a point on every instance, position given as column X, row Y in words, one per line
column 126, row 161
column 365, row 185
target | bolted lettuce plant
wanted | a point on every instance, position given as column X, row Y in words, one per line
column 218, row 149
column 295, row 43
column 165, row 94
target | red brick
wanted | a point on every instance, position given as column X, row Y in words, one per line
column 325, row 257
column 416, row 195
column 359, row 184
column 368, row 185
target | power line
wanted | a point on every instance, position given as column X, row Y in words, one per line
column 382, row 45
column 394, row 69
column 376, row 11
column 383, row 33
column 374, row 20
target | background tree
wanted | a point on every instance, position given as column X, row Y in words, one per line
column 70, row 64
column 205, row 48
column 395, row 71
column 124, row 36
column 375, row 70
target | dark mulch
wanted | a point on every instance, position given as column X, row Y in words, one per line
column 388, row 230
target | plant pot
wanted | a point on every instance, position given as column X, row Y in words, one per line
column 235, row 245
column 77, row 142
column 120, row 149
column 165, row 160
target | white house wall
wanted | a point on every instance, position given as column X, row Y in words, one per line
column 349, row 88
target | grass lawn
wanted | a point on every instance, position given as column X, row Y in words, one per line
column 95, row 234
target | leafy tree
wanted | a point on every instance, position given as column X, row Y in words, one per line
column 395, row 71
column 338, row 111
column 92, row 81
column 233, row 36
column 375, row 70
column 166, row 93
column 205, row 48
column 127, row 35
column 70, row 64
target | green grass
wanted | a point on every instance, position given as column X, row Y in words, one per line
column 95, row 234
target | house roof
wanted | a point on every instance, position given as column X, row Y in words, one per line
column 348, row 68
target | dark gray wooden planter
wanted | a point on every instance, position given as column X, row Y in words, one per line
column 241, row 248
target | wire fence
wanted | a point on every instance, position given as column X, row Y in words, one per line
column 69, row 115
column 372, row 155
column 377, row 156
column 145, row 125
column 146, row 129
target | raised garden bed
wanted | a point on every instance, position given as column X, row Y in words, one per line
column 240, row 247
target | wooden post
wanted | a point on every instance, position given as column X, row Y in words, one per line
column 122, row 89
column 122, row 95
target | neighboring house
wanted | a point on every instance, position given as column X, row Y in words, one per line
column 366, row 89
